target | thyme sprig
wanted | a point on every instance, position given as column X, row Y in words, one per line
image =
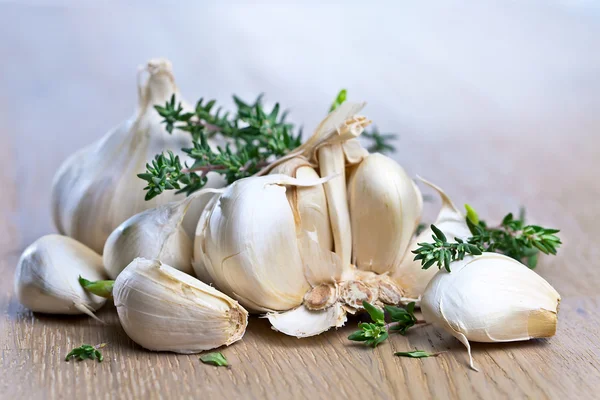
column 85, row 352
column 257, row 135
column 513, row 238
column 252, row 138
column 375, row 332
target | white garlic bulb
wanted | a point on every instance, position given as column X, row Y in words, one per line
column 491, row 298
column 164, row 309
column 46, row 279
column 385, row 209
column 410, row 275
column 97, row 188
column 157, row 233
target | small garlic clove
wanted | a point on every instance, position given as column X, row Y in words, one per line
column 164, row 309
column 157, row 233
column 409, row 274
column 385, row 208
column 154, row 234
column 491, row 298
column 301, row 322
column 46, row 278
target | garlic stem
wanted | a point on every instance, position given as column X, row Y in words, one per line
column 99, row 288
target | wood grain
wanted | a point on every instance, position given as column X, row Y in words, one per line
column 518, row 135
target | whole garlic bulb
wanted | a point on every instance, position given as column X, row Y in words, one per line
column 164, row 309
column 157, row 233
column 97, row 188
column 410, row 275
column 46, row 278
column 491, row 298
column 385, row 209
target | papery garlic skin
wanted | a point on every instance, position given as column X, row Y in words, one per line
column 385, row 208
column 491, row 298
column 46, row 278
column 154, row 234
column 409, row 274
column 164, row 309
column 97, row 188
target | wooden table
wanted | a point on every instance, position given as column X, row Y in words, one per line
column 497, row 143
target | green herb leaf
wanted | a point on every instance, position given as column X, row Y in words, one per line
column 99, row 288
column 86, row 352
column 339, row 99
column 402, row 318
column 376, row 314
column 416, row 354
column 472, row 215
column 217, row 359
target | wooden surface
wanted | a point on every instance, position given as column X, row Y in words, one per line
column 524, row 134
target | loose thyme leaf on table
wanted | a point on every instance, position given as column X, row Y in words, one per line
column 85, row 352
column 416, row 354
column 375, row 332
column 512, row 238
column 217, row 359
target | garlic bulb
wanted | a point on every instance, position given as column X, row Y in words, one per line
column 385, row 209
column 157, row 233
column 409, row 274
column 164, row 309
column 97, row 188
column 47, row 273
column 491, row 298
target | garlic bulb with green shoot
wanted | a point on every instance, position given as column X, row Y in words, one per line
column 409, row 274
column 157, row 233
column 97, row 188
column 491, row 298
column 47, row 273
column 164, row 309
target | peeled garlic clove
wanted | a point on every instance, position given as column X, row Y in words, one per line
column 409, row 274
column 164, row 309
column 491, row 298
column 97, row 188
column 46, row 279
column 385, row 207
column 302, row 322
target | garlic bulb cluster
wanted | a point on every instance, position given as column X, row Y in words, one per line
column 47, row 272
column 283, row 242
column 409, row 274
column 491, row 298
column 164, row 309
column 97, row 188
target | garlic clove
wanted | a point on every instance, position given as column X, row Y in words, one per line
column 164, row 309
column 301, row 322
column 308, row 203
column 97, row 188
column 491, row 298
column 409, row 274
column 321, row 265
column 46, row 278
column 248, row 244
column 157, row 233
column 385, row 208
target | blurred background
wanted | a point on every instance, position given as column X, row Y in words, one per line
column 510, row 72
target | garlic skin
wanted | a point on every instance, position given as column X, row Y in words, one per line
column 491, row 298
column 164, row 309
column 97, row 188
column 409, row 274
column 154, row 234
column 46, row 278
column 385, row 208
